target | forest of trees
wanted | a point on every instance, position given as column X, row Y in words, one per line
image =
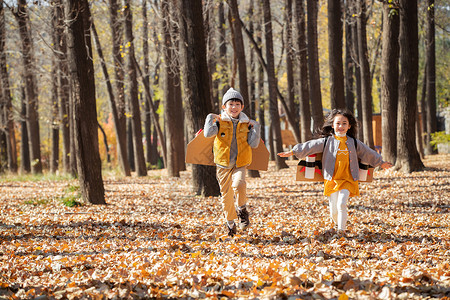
column 87, row 85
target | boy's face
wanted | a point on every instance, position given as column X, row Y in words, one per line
column 233, row 108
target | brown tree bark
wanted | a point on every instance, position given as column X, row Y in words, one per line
column 117, row 33
column 366, row 86
column 389, row 82
column 7, row 112
column 349, row 63
column 313, row 66
column 408, row 159
column 112, row 101
column 85, row 111
column 32, row 117
column 273, row 107
column 172, row 108
column 196, row 86
column 337, row 96
column 138, row 147
column 24, row 145
column 431, row 77
column 305, row 109
column 63, row 83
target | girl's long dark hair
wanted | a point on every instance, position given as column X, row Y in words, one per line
column 327, row 128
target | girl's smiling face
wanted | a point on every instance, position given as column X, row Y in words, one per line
column 341, row 125
column 233, row 108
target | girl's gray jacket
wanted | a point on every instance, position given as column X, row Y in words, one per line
column 363, row 153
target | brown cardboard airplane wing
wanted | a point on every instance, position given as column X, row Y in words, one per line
column 200, row 152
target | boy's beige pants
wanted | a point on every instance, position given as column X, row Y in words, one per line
column 232, row 184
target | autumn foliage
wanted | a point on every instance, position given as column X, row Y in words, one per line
column 155, row 239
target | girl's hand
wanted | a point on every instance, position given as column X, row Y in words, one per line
column 285, row 154
column 386, row 165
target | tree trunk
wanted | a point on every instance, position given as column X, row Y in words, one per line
column 389, row 83
column 313, row 66
column 337, row 96
column 171, row 110
column 54, row 158
column 366, row 86
column 273, row 107
column 24, row 145
column 349, row 63
column 290, row 59
column 355, row 55
column 85, row 112
column 260, row 74
column 252, row 83
column 408, row 159
column 112, row 101
column 196, row 86
column 30, row 87
column 117, row 44
column 63, row 84
column 305, row 110
column 239, row 52
column 431, row 77
column 141, row 169
column 8, row 124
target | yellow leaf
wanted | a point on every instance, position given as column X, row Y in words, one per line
column 343, row 297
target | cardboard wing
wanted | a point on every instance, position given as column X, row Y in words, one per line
column 316, row 174
column 200, row 152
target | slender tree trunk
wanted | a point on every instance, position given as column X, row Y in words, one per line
column 260, row 73
column 431, row 77
column 305, row 109
column 313, row 66
column 290, row 59
column 54, row 159
column 252, row 83
column 30, row 87
column 222, row 56
column 170, row 108
column 63, row 84
column 141, row 169
column 117, row 33
column 355, row 55
column 112, row 101
column 10, row 135
column 24, row 145
column 337, row 96
column 349, row 63
column 389, row 83
column 240, row 54
column 85, row 112
column 273, row 107
column 408, row 159
column 196, row 86
column 366, row 86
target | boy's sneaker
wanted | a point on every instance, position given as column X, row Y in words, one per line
column 231, row 230
column 244, row 222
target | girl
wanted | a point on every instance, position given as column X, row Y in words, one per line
column 340, row 161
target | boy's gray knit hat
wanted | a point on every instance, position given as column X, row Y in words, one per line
column 232, row 94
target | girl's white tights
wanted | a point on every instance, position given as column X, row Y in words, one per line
column 338, row 208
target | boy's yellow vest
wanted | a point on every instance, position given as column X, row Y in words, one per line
column 222, row 143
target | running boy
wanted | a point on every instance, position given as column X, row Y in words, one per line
column 235, row 135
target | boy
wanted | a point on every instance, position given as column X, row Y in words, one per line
column 235, row 135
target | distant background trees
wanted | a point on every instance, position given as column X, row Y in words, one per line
column 292, row 59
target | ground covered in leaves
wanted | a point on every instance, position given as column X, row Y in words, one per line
column 155, row 239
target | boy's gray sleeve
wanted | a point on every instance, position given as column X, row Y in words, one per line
column 308, row 148
column 254, row 135
column 210, row 129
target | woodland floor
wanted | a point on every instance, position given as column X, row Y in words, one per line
column 155, row 239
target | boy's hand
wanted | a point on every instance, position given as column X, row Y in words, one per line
column 216, row 118
column 252, row 123
column 285, row 154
